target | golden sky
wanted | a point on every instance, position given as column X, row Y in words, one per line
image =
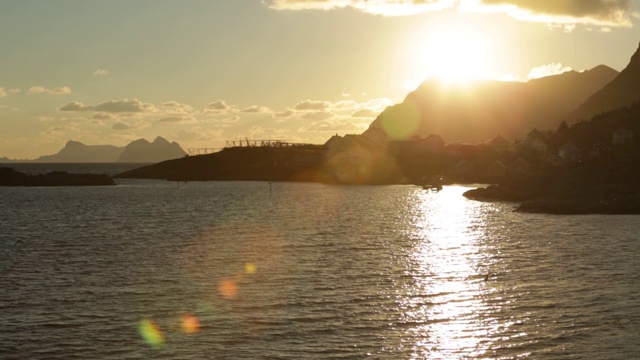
column 204, row 71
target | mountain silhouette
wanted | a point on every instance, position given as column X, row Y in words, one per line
column 622, row 91
column 484, row 109
column 139, row 150
column 142, row 150
column 75, row 151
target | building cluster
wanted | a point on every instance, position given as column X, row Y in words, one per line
column 497, row 158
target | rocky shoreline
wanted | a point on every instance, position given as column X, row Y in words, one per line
column 586, row 188
column 11, row 177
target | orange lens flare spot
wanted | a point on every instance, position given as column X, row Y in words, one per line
column 189, row 324
column 250, row 268
column 151, row 333
column 228, row 289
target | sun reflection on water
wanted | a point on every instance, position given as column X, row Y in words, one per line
column 446, row 303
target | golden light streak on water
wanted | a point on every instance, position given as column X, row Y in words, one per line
column 446, row 302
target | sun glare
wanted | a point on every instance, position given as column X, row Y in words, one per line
column 453, row 53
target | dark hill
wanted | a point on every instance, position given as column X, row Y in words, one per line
column 299, row 163
column 624, row 90
column 485, row 109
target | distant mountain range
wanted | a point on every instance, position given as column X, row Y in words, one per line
column 483, row 110
column 138, row 151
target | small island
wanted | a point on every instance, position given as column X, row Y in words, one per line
column 11, row 177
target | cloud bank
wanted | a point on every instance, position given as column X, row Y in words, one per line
column 597, row 12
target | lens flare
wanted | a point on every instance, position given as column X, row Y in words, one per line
column 151, row 333
column 189, row 324
column 228, row 289
column 250, row 268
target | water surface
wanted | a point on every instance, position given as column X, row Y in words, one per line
column 309, row 271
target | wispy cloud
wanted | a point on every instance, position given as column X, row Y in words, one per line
column 376, row 7
column 548, row 70
column 100, row 72
column 178, row 120
column 3, row 92
column 312, row 105
column 256, row 109
column 112, row 106
column 124, row 106
column 55, row 91
column 613, row 13
column 75, row 106
column 598, row 12
column 121, row 126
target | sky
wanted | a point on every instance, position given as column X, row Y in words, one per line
column 201, row 72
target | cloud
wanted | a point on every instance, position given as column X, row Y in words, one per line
column 121, row 126
column 226, row 120
column 60, row 90
column 76, row 106
column 217, row 107
column 175, row 105
column 258, row 132
column 548, row 70
column 364, row 113
column 113, row 106
column 3, row 92
column 37, row 90
column 124, row 106
column 311, row 105
column 45, row 119
column 331, row 126
column 100, row 72
column 256, row 109
column 598, row 12
column 376, row 7
column 284, row 114
column 103, row 116
column 43, row 90
column 318, row 115
column 178, row 120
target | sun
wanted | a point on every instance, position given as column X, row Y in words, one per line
column 453, row 53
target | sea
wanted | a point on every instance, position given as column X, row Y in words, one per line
column 152, row 269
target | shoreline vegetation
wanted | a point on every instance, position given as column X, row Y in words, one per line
column 11, row 177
